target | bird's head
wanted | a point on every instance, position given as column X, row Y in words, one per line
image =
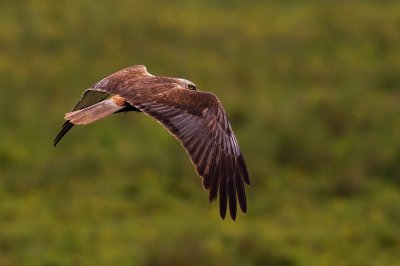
column 188, row 85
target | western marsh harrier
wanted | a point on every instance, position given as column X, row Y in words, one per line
column 197, row 119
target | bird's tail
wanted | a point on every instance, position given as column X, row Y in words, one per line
column 95, row 112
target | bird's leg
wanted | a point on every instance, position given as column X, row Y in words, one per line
column 118, row 100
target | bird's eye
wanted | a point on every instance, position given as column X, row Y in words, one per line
column 192, row 87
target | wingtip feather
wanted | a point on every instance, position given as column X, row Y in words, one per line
column 64, row 129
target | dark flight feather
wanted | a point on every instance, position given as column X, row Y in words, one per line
column 89, row 98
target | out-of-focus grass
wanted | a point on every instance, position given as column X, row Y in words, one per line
column 312, row 92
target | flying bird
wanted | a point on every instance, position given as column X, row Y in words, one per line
column 197, row 119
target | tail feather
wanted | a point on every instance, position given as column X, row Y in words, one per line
column 93, row 113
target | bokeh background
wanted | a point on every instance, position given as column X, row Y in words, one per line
column 312, row 90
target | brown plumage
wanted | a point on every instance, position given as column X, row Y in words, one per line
column 197, row 119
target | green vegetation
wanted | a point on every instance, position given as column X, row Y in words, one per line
column 313, row 94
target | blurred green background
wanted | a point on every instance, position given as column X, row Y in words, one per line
column 312, row 90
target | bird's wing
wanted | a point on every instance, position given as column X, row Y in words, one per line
column 102, row 90
column 89, row 98
column 198, row 121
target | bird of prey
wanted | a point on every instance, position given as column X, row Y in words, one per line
column 197, row 119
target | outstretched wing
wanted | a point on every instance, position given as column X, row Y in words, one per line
column 198, row 121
